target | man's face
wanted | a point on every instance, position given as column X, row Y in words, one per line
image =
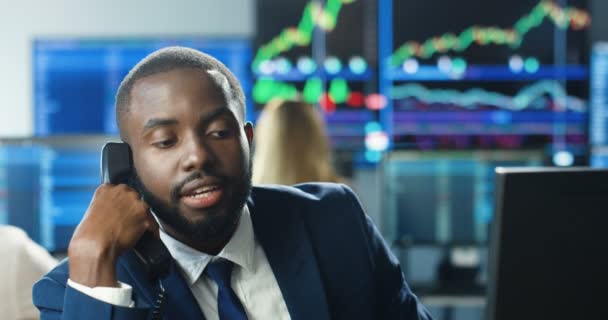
column 190, row 151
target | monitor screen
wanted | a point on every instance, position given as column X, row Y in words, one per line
column 322, row 52
column 599, row 157
column 46, row 185
column 485, row 74
column 548, row 246
column 75, row 80
column 599, row 95
column 443, row 197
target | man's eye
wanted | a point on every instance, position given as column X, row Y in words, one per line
column 220, row 134
column 163, row 144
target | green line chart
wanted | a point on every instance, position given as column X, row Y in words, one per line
column 563, row 18
column 314, row 15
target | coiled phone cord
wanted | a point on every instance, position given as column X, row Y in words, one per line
column 160, row 300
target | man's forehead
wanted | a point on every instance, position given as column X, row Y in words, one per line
column 149, row 92
column 157, row 84
column 221, row 81
column 178, row 76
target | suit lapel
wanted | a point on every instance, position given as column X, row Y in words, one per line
column 281, row 230
column 178, row 302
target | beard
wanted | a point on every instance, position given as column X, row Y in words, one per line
column 216, row 226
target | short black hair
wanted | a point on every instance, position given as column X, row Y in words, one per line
column 168, row 59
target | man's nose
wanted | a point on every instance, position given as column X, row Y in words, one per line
column 197, row 155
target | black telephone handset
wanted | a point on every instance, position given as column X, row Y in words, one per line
column 116, row 168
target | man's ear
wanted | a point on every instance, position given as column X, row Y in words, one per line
column 249, row 132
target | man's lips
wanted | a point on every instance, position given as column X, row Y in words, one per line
column 195, row 185
column 204, row 196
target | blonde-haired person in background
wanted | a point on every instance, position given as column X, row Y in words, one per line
column 291, row 145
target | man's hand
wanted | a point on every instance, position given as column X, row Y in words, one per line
column 114, row 221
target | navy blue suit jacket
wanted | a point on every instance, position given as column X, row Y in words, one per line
column 328, row 258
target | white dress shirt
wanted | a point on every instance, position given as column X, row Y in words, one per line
column 252, row 278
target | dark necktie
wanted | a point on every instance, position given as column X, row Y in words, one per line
column 228, row 305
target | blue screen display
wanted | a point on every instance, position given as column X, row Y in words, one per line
column 75, row 81
column 444, row 197
column 46, row 185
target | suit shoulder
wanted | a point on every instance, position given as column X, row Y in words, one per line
column 328, row 203
column 305, row 192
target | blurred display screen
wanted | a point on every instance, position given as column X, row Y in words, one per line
column 486, row 74
column 324, row 53
column 75, row 80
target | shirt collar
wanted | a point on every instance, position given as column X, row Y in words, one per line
column 239, row 250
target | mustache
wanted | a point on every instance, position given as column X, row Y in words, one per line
column 176, row 190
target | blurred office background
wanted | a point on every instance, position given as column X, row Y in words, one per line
column 423, row 99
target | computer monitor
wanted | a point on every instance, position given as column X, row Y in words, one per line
column 598, row 95
column 549, row 242
column 443, row 197
column 472, row 74
column 46, row 185
column 323, row 52
column 75, row 79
